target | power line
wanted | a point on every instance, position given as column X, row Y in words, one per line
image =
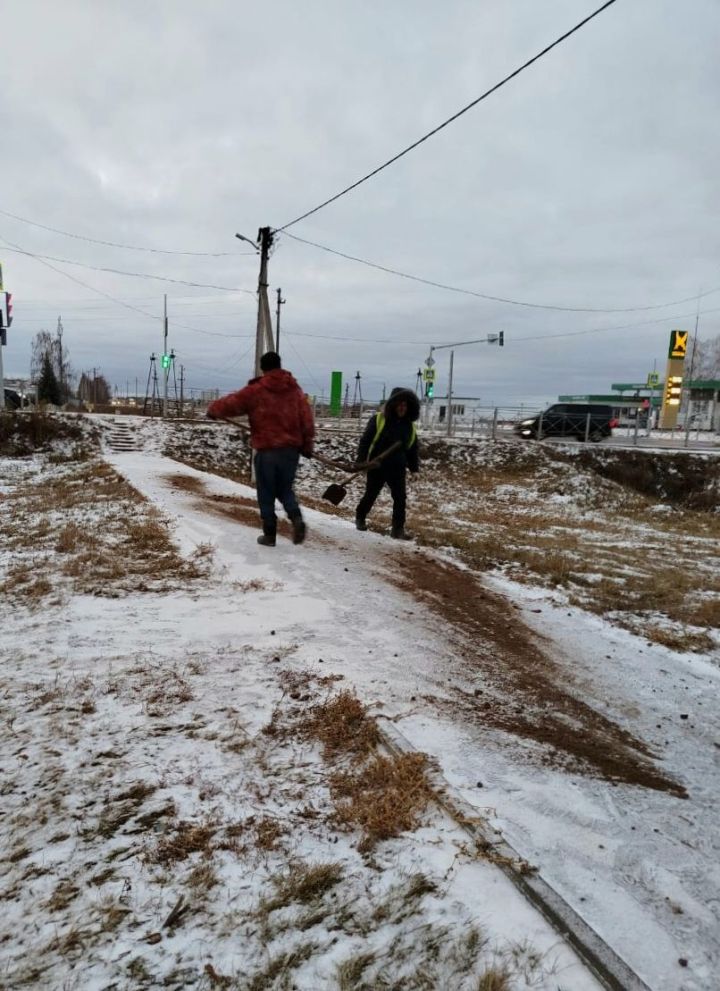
column 497, row 299
column 136, row 275
column 673, row 318
column 304, row 363
column 450, row 120
column 129, row 247
column 114, row 299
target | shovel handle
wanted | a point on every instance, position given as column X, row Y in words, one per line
column 369, row 465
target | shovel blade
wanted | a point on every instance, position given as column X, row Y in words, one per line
column 335, row 493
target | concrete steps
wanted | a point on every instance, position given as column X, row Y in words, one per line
column 121, row 437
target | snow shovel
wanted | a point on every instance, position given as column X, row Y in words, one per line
column 336, row 491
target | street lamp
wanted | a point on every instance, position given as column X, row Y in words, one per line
column 241, row 237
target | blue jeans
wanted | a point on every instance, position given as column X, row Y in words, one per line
column 275, row 473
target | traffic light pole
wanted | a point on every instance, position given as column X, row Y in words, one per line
column 498, row 339
column 2, row 376
column 165, row 369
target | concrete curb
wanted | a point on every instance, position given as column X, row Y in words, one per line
column 600, row 959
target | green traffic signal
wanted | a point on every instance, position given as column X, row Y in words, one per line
column 166, row 361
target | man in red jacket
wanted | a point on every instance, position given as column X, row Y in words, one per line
column 281, row 429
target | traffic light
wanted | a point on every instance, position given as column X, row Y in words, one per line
column 501, row 339
column 429, row 390
column 8, row 309
column 165, row 361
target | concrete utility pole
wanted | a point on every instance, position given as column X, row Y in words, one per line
column 690, row 375
column 164, row 364
column 182, row 390
column 264, row 326
column 280, row 302
column 62, row 372
column 2, row 341
column 449, row 398
column 264, row 334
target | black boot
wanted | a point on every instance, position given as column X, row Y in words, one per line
column 299, row 529
column 360, row 523
column 400, row 533
column 267, row 537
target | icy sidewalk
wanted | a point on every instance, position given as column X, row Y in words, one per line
column 157, row 834
column 638, row 864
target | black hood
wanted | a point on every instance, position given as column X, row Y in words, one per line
column 403, row 395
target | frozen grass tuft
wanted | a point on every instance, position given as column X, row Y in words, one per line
column 384, row 798
column 342, row 726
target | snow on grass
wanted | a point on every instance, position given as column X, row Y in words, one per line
column 181, row 805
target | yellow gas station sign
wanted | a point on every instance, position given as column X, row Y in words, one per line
column 679, row 340
column 678, row 343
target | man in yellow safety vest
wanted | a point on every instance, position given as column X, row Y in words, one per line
column 395, row 422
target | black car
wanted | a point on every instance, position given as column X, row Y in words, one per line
column 13, row 400
column 570, row 420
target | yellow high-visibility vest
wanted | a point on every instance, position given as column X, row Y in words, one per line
column 380, row 426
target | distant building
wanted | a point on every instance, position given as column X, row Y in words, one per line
column 630, row 400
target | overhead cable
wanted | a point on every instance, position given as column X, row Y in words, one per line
column 499, row 299
column 135, row 275
column 512, row 339
column 450, row 120
column 114, row 299
column 129, row 247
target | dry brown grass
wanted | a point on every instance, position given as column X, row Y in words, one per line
column 202, row 878
column 22, row 581
column 383, row 798
column 627, row 563
column 680, row 640
column 302, row 884
column 23, row 432
column 342, row 726
column 111, row 540
column 70, row 538
column 63, row 895
column 185, row 839
column 268, row 833
column 278, row 972
column 495, row 979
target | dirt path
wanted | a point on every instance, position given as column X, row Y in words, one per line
column 524, row 692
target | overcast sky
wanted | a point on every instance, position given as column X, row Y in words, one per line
column 589, row 181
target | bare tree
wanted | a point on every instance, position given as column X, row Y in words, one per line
column 706, row 359
column 47, row 347
column 94, row 389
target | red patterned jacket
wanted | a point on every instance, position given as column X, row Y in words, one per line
column 279, row 413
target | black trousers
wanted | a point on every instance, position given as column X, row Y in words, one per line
column 374, row 482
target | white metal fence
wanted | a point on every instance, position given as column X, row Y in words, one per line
column 501, row 423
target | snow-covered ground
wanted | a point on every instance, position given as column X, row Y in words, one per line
column 133, row 719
